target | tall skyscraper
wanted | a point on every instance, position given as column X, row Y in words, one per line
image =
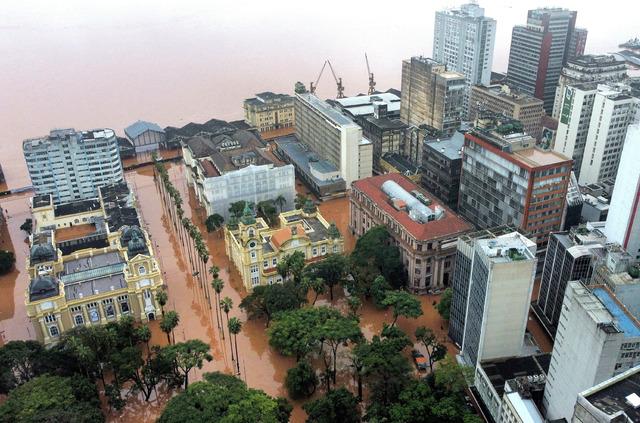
column 507, row 180
column 539, row 49
column 72, row 165
column 623, row 221
column 501, row 277
column 593, row 123
column 463, row 40
column 569, row 258
column 589, row 68
column 597, row 338
column 431, row 95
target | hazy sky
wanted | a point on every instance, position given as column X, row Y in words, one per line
column 108, row 63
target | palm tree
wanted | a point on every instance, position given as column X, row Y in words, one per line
column 280, row 201
column 227, row 304
column 218, row 284
column 162, row 298
column 168, row 323
column 235, row 325
column 144, row 334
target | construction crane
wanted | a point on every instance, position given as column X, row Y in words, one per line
column 338, row 82
column 312, row 86
column 372, row 82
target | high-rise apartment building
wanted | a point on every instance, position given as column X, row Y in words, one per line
column 441, row 167
column 500, row 285
column 334, row 137
column 502, row 100
column 592, row 127
column 597, row 338
column 507, row 180
column 72, row 165
column 623, row 220
column 569, row 258
column 463, row 40
column 269, row 112
column 589, row 68
column 577, row 43
column 539, row 49
column 431, row 95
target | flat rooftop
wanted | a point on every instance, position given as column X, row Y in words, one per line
column 326, row 110
column 304, row 158
column 449, row 147
column 610, row 396
column 509, row 94
column 449, row 225
column 75, row 207
column 363, row 104
column 75, row 232
column 537, row 157
column 501, row 370
column 508, row 248
column 624, row 320
column 399, row 162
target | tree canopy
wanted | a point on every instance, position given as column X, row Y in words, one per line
column 444, row 306
column 7, row 259
column 301, row 380
column 214, row 222
column 403, row 304
column 267, row 300
column 375, row 254
column 332, row 270
column 338, row 405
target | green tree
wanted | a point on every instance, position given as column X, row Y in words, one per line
column 338, row 405
column 403, row 304
column 354, row 304
column 268, row 211
column 214, row 222
column 332, row 270
column 435, row 350
column 299, row 201
column 375, row 254
column 292, row 265
column 444, row 306
column 52, row 398
column 162, row 298
column 27, row 226
column 168, row 323
column 143, row 333
column 280, row 201
column 218, row 285
column 301, row 380
column 336, row 331
column 267, row 300
column 7, row 259
column 235, row 326
column 451, row 376
column 225, row 399
column 19, row 363
column 226, row 304
column 378, row 291
column 187, row 355
column 317, row 285
column 236, row 209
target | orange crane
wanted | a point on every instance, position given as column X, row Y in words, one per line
column 338, row 82
column 372, row 82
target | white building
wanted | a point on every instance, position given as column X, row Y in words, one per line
column 593, row 123
column 501, row 283
column 623, row 220
column 253, row 184
column 597, row 338
column 72, row 165
column 463, row 40
column 145, row 136
column 334, row 136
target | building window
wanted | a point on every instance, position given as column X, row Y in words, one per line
column 124, row 304
column 274, row 262
column 109, row 309
column 53, row 331
column 265, row 264
column 94, row 314
column 315, row 251
column 255, row 280
column 78, row 319
column 142, row 270
column 146, row 294
column 323, row 250
column 335, row 248
column 253, row 254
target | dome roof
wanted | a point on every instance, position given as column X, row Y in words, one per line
column 136, row 246
column 43, row 287
column 42, row 252
column 130, row 232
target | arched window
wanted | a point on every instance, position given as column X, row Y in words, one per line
column 142, row 270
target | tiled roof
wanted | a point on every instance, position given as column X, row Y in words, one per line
column 450, row 225
column 281, row 236
column 135, row 130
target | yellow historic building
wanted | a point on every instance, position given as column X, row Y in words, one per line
column 256, row 249
column 89, row 263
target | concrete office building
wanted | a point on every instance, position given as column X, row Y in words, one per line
column 72, row 165
column 577, row 43
column 441, row 168
column 500, row 99
column 145, row 136
column 461, row 277
column 424, row 230
column 500, row 284
column 589, row 68
column 538, row 52
column 431, row 95
column 569, row 258
column 506, row 179
column 623, row 220
column 616, row 269
column 593, row 124
column 269, row 112
column 597, row 338
column 334, row 137
column 616, row 400
column 463, row 40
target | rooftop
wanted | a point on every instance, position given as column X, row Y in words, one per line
column 268, row 97
column 59, row 135
column 509, row 94
column 611, row 396
column 75, row 207
column 135, row 130
column 508, row 248
column 450, row 147
column 624, row 320
column 330, row 113
column 402, row 164
column 74, row 232
column 449, row 224
column 501, row 370
column 304, row 158
column 363, row 104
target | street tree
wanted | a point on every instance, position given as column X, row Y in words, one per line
column 375, row 254
column 226, row 304
column 335, row 331
column 7, row 259
column 187, row 355
column 435, row 350
column 162, row 298
column 378, row 291
column 168, row 323
column 301, row 380
column 338, row 405
column 403, row 304
column 332, row 270
column 267, row 300
column 444, row 306
column 214, row 222
column 235, row 326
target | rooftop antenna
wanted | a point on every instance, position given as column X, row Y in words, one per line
column 372, row 82
column 312, row 86
column 338, row 82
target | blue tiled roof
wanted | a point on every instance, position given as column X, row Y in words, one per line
column 624, row 322
column 138, row 128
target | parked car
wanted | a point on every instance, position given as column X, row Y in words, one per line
column 419, row 360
